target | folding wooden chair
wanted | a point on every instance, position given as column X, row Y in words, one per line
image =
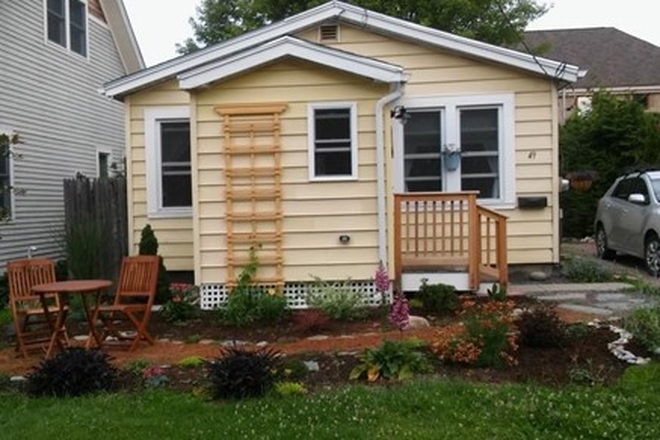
column 33, row 326
column 126, row 320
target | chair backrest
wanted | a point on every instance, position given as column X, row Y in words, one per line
column 22, row 275
column 138, row 279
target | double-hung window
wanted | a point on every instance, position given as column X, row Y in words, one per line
column 66, row 23
column 169, row 173
column 332, row 129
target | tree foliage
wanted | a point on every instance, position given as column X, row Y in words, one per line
column 615, row 136
column 499, row 22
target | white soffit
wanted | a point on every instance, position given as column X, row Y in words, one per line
column 291, row 47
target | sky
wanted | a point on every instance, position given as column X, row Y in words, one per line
column 159, row 25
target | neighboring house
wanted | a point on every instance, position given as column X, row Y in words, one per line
column 613, row 61
column 294, row 139
column 55, row 55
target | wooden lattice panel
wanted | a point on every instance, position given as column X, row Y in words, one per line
column 253, row 197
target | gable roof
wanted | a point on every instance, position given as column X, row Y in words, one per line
column 122, row 31
column 612, row 57
column 294, row 47
column 350, row 14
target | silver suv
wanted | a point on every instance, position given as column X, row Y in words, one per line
column 628, row 219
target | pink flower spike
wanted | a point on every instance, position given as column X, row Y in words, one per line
column 382, row 279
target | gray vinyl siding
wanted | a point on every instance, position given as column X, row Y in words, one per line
column 49, row 95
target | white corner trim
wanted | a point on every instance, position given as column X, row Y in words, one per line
column 291, row 47
column 152, row 117
column 349, row 14
column 311, row 137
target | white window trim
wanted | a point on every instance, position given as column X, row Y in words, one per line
column 107, row 152
column 67, row 33
column 12, row 195
column 311, row 137
column 152, row 118
column 452, row 104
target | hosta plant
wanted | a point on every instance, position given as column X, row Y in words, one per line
column 72, row 372
column 392, row 360
column 239, row 373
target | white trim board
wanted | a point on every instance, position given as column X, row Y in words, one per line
column 342, row 12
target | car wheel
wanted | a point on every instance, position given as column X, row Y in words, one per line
column 601, row 245
column 652, row 255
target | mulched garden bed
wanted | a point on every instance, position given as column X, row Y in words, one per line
column 583, row 359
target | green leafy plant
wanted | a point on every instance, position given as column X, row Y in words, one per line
column 248, row 303
column 137, row 366
column 541, row 327
column 291, row 369
column 497, row 292
column 82, row 241
column 182, row 305
column 72, row 372
column 149, row 246
column 644, row 324
column 290, row 389
column 239, row 373
column 338, row 300
column 192, row 362
column 577, row 330
column 438, row 298
column 392, row 360
column 586, row 373
column 586, row 270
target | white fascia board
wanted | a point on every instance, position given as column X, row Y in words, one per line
column 294, row 47
column 351, row 14
column 172, row 68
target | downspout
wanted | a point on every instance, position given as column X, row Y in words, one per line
column 380, row 169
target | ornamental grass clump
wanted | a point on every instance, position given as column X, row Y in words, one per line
column 486, row 338
column 72, row 372
column 239, row 373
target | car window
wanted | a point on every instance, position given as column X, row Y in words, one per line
column 638, row 186
column 622, row 190
column 655, row 183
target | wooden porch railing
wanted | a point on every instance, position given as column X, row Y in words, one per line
column 449, row 232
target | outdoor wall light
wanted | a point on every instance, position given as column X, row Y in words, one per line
column 399, row 112
column 344, row 239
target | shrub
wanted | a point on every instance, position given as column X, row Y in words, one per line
column 337, row 300
column 487, row 338
column 586, row 270
column 4, row 291
column 392, row 360
column 310, row 321
column 149, row 246
column 239, row 373
column 541, row 327
column 182, row 305
column 288, row 389
column 72, row 372
column 292, row 369
column 438, row 298
column 191, row 362
column 644, row 324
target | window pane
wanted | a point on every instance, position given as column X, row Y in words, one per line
column 332, row 143
column 78, row 25
column 422, row 145
column 480, row 152
column 5, row 192
column 176, row 183
column 56, row 22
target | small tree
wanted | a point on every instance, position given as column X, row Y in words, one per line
column 149, row 246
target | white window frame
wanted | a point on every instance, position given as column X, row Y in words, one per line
column 451, row 106
column 311, row 133
column 152, row 119
column 67, row 29
column 99, row 152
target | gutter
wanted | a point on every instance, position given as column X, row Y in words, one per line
column 380, row 169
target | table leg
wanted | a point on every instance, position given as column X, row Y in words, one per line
column 56, row 330
column 91, row 320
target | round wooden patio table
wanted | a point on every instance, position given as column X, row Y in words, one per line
column 63, row 289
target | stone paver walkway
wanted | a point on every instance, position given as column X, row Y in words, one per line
column 599, row 299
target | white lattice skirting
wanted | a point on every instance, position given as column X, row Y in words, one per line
column 214, row 295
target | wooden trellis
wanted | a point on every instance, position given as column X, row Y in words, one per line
column 253, row 197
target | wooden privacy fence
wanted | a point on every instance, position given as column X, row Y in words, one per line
column 95, row 236
column 437, row 232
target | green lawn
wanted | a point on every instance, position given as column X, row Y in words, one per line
column 429, row 409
